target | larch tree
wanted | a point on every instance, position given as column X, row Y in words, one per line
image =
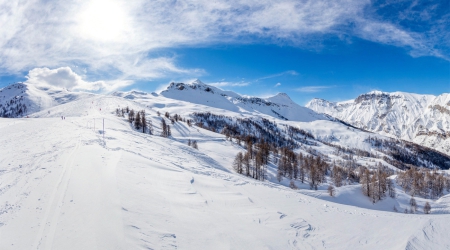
column 413, row 204
column 163, row 128
column 331, row 190
column 137, row 122
column 143, row 121
column 427, row 208
column 238, row 163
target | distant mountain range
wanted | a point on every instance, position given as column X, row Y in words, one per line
column 279, row 106
column 423, row 119
column 22, row 99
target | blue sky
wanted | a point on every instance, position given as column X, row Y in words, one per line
column 334, row 50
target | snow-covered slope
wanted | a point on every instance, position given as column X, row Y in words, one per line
column 66, row 185
column 22, row 99
column 423, row 119
column 279, row 106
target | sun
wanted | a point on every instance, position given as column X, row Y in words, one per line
column 103, row 20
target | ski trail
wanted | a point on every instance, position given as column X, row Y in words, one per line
column 48, row 227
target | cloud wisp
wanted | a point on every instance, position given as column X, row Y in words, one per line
column 229, row 84
column 119, row 39
column 313, row 89
column 288, row 72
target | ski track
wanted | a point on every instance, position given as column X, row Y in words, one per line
column 48, row 226
column 135, row 191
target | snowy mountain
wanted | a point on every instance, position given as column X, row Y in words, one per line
column 279, row 106
column 83, row 187
column 22, row 99
column 423, row 119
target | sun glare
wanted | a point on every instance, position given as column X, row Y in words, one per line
column 103, row 20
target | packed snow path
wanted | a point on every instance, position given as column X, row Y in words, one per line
column 63, row 187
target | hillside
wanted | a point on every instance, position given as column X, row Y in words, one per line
column 22, row 99
column 422, row 119
column 77, row 190
column 67, row 184
column 279, row 106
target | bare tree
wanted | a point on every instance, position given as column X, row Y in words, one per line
column 292, row 184
column 331, row 190
column 238, row 163
column 137, row 122
column 391, row 189
column 163, row 128
column 143, row 121
column 365, row 181
column 247, row 164
column 427, row 208
column 150, row 126
column 413, row 204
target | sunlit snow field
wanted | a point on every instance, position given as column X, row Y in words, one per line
column 66, row 185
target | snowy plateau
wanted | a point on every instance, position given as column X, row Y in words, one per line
column 95, row 181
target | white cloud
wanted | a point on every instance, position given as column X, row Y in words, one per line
column 64, row 77
column 313, row 89
column 229, row 84
column 277, row 85
column 289, row 72
column 120, row 39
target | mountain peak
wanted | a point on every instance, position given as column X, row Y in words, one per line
column 281, row 94
column 376, row 92
column 415, row 117
column 197, row 82
column 280, row 98
column 279, row 106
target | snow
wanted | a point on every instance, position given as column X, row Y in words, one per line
column 36, row 98
column 279, row 106
column 66, row 185
column 422, row 119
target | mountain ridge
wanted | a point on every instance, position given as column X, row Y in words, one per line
column 279, row 106
column 21, row 99
column 423, row 119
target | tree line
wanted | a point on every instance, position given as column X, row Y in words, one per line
column 423, row 182
column 139, row 121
